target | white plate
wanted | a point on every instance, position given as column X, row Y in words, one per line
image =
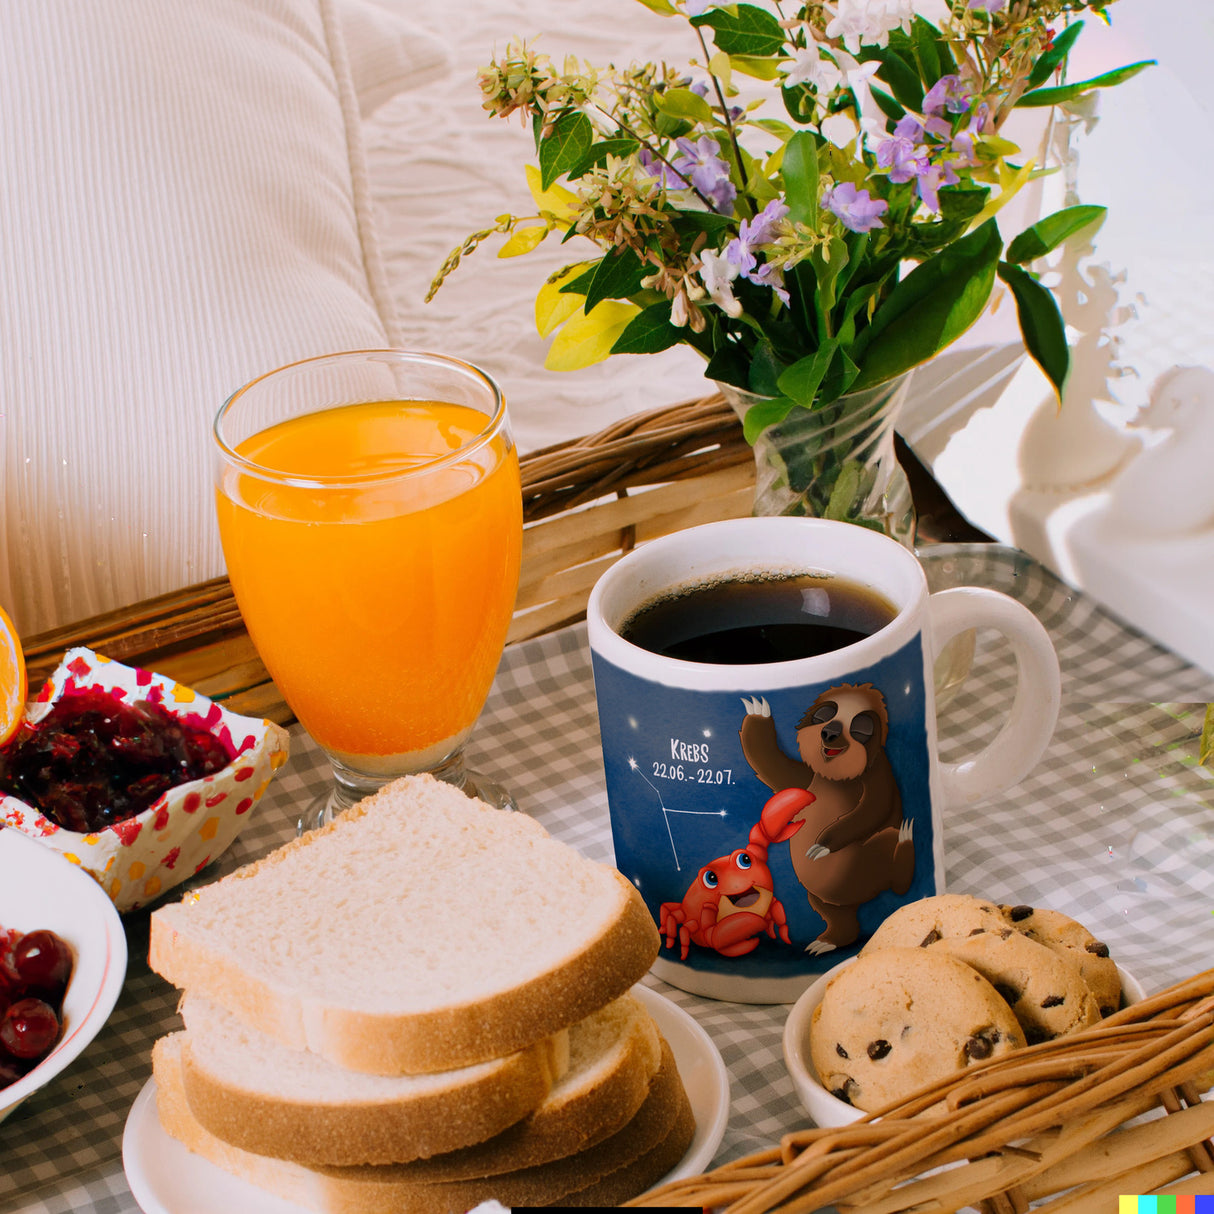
column 165, row 1178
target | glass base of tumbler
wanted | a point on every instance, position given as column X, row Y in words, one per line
column 322, row 809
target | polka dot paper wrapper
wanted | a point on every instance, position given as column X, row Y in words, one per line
column 137, row 860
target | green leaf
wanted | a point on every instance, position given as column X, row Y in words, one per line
column 901, row 76
column 743, row 29
column 580, row 284
column 711, row 222
column 843, row 495
column 1040, row 323
column 800, row 382
column 961, row 202
column 838, row 379
column 924, row 42
column 756, row 66
column 765, row 369
column 930, row 308
column 564, row 147
column 1052, row 59
column 685, row 105
column 799, row 102
column 616, row 276
column 1065, row 92
column 766, row 411
column 886, row 104
column 826, row 272
column 729, row 365
column 1048, row 233
column 597, row 153
column 800, row 172
column 649, row 332
column 774, row 126
column 662, row 7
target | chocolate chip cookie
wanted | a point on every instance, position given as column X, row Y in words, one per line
column 942, row 917
column 1046, row 991
column 1072, row 940
column 899, row 1018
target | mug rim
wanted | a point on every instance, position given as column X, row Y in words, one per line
column 905, row 587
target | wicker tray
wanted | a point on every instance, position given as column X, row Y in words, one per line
column 585, row 503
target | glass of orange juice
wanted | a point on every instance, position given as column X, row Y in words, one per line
column 371, row 517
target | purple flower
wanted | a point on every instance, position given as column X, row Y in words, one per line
column 708, row 173
column 904, row 158
column 949, row 93
column 937, row 175
column 752, row 235
column 856, row 209
column 654, row 166
column 768, row 275
column 963, row 141
column 909, row 127
column 764, row 228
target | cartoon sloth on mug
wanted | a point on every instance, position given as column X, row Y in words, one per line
column 855, row 843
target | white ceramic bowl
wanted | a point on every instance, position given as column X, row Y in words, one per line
column 40, row 889
column 827, row 1110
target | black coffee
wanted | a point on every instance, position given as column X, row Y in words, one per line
column 758, row 618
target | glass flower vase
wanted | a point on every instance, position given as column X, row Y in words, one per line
column 835, row 460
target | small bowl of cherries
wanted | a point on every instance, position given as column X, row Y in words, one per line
column 136, row 779
column 63, row 960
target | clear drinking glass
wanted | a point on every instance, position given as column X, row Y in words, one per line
column 371, row 517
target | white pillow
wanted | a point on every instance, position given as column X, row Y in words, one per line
column 387, row 55
column 183, row 206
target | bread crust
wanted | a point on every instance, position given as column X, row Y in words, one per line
column 348, row 1132
column 555, row 1131
column 628, row 1162
column 413, row 1041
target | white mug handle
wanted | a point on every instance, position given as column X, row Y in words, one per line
column 1026, row 733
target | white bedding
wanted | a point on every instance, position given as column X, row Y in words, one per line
column 441, row 168
column 191, row 195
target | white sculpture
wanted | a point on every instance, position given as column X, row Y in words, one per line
column 1168, row 488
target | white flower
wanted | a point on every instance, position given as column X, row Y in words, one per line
column 812, row 67
column 717, row 275
column 868, row 21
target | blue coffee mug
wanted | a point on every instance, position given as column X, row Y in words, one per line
column 772, row 815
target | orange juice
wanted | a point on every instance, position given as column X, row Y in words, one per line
column 378, row 588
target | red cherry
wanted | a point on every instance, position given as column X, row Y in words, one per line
column 29, row 1028
column 43, row 963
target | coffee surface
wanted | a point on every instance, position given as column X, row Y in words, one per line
column 758, row 618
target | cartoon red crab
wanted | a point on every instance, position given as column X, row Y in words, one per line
column 733, row 899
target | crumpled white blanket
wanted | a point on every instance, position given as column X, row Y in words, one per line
column 441, row 168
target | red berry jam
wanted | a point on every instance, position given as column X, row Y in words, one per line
column 34, row 972
column 95, row 760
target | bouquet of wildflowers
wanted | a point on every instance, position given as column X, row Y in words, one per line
column 812, row 204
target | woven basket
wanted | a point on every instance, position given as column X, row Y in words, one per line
column 585, row 503
column 1068, row 1126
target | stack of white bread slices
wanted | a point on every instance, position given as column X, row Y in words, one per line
column 420, row 1007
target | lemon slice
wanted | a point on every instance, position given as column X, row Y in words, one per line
column 13, row 685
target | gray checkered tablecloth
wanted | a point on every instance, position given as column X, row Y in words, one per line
column 1116, row 827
